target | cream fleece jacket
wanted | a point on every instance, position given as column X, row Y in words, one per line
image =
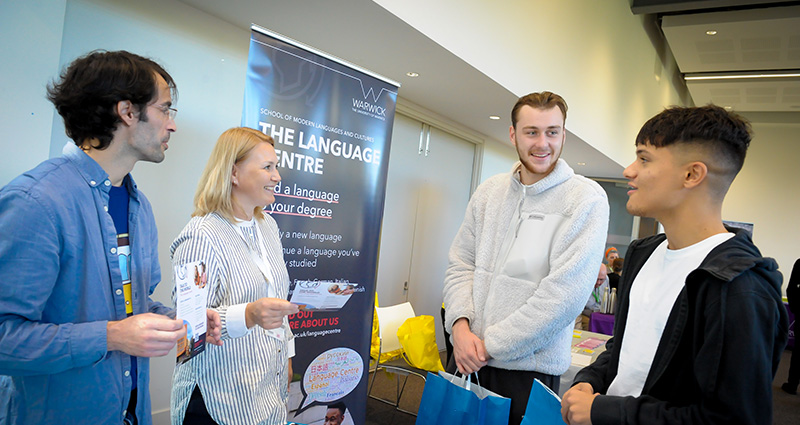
column 524, row 263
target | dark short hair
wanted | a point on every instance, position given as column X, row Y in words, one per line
column 88, row 90
column 542, row 100
column 725, row 135
column 617, row 264
column 338, row 405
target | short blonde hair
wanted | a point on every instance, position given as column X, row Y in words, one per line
column 214, row 189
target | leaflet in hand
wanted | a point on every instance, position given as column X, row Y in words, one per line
column 321, row 295
column 191, row 295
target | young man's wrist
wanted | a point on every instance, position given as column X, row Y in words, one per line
column 460, row 323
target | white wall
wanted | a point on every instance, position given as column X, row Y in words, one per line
column 497, row 159
column 31, row 37
column 765, row 193
column 596, row 54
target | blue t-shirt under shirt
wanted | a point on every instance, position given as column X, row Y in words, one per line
column 118, row 198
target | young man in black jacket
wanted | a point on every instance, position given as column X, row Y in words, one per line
column 701, row 325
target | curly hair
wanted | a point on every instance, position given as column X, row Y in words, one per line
column 88, row 90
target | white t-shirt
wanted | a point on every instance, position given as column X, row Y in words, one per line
column 652, row 297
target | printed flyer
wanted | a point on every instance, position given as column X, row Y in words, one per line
column 191, row 296
column 321, row 295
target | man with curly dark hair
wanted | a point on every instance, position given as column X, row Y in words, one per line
column 78, row 253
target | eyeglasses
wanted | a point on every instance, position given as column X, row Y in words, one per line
column 166, row 110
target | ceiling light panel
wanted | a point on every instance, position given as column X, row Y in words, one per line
column 755, row 39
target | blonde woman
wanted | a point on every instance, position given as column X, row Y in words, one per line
column 245, row 380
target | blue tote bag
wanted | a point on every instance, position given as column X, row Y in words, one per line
column 544, row 406
column 452, row 400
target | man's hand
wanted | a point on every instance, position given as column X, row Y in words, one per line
column 213, row 327
column 576, row 405
column 468, row 350
column 144, row 335
column 268, row 312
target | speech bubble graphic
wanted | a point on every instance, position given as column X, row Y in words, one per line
column 331, row 376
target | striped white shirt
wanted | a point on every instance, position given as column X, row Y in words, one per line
column 245, row 380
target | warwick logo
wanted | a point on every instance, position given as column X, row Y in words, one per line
column 367, row 108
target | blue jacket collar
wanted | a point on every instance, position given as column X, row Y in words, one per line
column 91, row 171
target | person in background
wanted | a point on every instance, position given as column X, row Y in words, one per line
column 245, row 380
column 610, row 255
column 793, row 296
column 79, row 253
column 615, row 273
column 701, row 326
column 595, row 299
column 525, row 260
column 335, row 414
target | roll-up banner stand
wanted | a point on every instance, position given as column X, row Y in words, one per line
column 331, row 122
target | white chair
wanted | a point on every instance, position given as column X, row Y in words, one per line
column 389, row 319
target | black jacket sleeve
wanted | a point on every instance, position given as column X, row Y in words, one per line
column 732, row 366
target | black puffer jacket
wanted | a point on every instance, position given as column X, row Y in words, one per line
column 719, row 350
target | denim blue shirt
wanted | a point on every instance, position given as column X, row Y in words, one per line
column 60, row 284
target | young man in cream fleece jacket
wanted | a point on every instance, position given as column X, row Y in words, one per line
column 525, row 260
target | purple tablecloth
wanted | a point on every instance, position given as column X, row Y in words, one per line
column 604, row 324
column 601, row 323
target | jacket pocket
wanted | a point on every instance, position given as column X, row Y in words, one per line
column 529, row 255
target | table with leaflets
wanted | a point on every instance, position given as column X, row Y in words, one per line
column 586, row 346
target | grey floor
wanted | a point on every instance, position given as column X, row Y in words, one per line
column 786, row 407
column 379, row 413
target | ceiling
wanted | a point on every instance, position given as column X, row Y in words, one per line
column 365, row 34
column 744, row 38
column 752, row 36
